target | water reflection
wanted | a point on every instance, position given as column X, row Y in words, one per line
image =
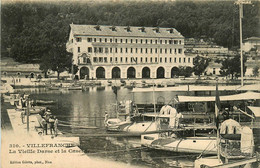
column 86, row 108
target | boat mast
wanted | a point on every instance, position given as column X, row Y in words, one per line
column 240, row 3
column 154, row 107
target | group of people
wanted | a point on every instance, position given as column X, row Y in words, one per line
column 174, row 115
column 49, row 121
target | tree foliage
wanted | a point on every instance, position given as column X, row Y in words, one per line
column 30, row 30
column 232, row 66
column 256, row 71
column 200, row 65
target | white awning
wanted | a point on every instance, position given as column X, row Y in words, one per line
column 241, row 96
column 255, row 110
column 198, row 88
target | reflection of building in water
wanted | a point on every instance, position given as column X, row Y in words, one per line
column 126, row 52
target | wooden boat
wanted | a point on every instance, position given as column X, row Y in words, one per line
column 44, row 102
column 206, row 145
column 74, row 88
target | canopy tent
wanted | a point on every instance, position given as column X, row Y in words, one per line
column 199, row 88
column 255, row 110
column 241, row 96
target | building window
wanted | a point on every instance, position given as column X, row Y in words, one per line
column 111, row 50
column 95, row 49
column 141, row 41
column 146, row 50
column 78, row 49
column 125, row 40
column 165, row 50
column 121, row 59
column 146, row 59
column 175, row 42
column 170, row 50
column 111, row 59
column 141, row 59
column 170, row 41
column 126, row 59
column 136, row 50
column 165, row 41
column 121, row 40
column 131, row 50
column 100, row 40
column 116, row 40
column 94, row 59
column 156, row 41
column 84, row 59
column 160, row 50
column 116, row 50
column 175, row 50
column 160, row 59
column 136, row 41
column 151, row 41
column 188, row 60
column 151, row 51
column 179, row 60
column 105, row 59
column 131, row 40
column 156, row 50
column 100, row 49
column 170, row 59
column 141, row 50
column 95, row 40
column 126, row 50
column 116, row 59
column 180, row 51
column 106, row 50
column 214, row 71
column 146, row 41
column 160, row 41
column 180, row 42
column 100, row 59
column 121, row 50
column 90, row 49
column 111, row 40
column 78, row 39
column 184, row 60
column 165, row 59
column 105, row 40
column 155, row 59
column 175, row 60
column 151, row 59
column 89, row 39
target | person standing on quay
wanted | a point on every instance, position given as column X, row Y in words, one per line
column 23, row 116
column 55, row 126
column 45, row 127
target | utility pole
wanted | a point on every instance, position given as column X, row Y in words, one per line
column 28, row 113
column 240, row 3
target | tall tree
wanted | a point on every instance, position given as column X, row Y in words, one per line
column 232, row 66
column 200, row 64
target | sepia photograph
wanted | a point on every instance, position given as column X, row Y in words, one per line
column 130, row 84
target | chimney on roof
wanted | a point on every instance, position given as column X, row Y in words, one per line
column 170, row 30
column 97, row 27
column 157, row 30
column 127, row 29
column 113, row 28
column 142, row 29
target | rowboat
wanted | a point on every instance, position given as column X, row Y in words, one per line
column 45, row 102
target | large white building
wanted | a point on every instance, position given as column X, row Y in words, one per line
column 126, row 52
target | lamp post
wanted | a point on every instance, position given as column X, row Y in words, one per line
column 240, row 3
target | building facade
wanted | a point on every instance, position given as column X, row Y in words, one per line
column 106, row 52
column 252, row 42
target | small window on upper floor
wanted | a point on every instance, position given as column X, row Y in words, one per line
column 136, row 41
column 146, row 41
column 89, row 39
column 125, row 40
column 141, row 41
column 111, row 50
column 121, row 40
column 131, row 40
column 188, row 60
column 100, row 40
column 156, row 41
column 151, row 50
column 165, row 41
column 105, row 40
column 151, row 41
column 179, row 60
column 111, row 40
column 95, row 40
column 165, row 50
column 78, row 39
column 170, row 41
column 146, row 50
column 184, row 60
column 180, row 42
column 126, row 50
column 141, row 50
column 116, row 40
column 160, row 41
column 78, row 49
column 121, row 50
column 179, row 51
column 90, row 49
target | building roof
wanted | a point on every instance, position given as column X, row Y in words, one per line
column 253, row 39
column 122, row 31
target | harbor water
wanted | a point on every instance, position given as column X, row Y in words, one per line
column 81, row 113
